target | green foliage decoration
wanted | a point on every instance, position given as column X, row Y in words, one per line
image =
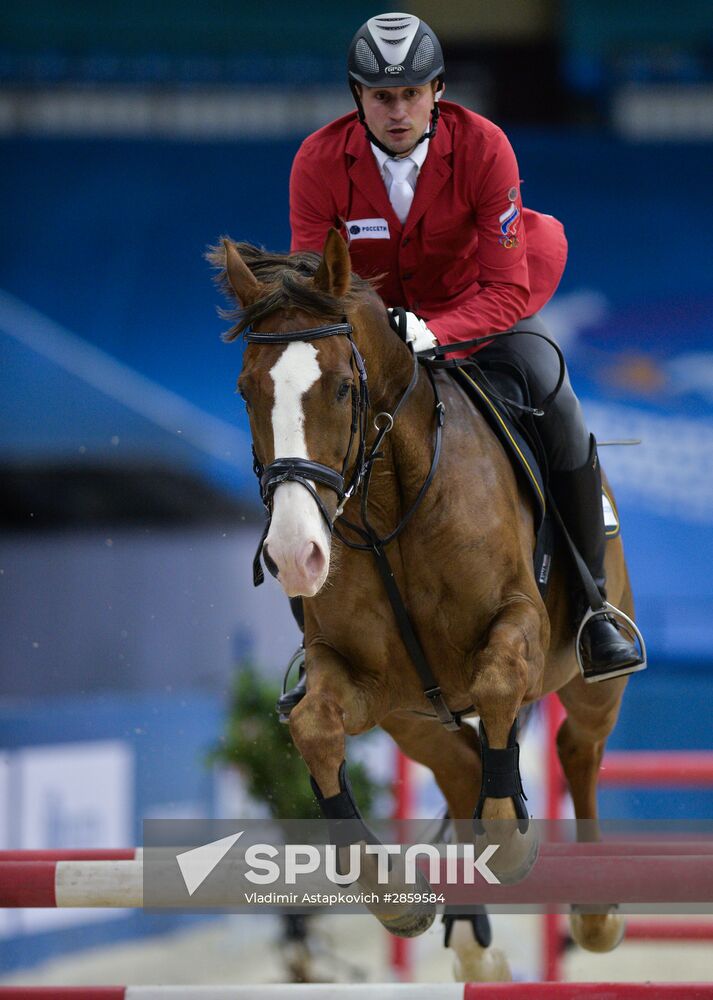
column 260, row 746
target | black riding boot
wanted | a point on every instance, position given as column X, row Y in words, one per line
column 288, row 699
column 606, row 652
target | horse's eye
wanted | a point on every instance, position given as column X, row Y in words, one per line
column 344, row 390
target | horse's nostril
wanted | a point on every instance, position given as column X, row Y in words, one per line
column 315, row 561
column 271, row 567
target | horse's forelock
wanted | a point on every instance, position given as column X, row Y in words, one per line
column 287, row 286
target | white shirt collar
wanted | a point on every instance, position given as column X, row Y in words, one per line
column 418, row 154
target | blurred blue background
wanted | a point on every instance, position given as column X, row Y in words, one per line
column 130, row 140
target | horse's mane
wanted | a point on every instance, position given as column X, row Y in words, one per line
column 286, row 279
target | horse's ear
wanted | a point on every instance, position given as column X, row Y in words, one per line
column 244, row 284
column 334, row 273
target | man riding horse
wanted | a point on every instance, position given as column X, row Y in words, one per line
column 427, row 194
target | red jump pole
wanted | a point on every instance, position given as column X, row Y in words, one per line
column 27, row 883
column 63, row 992
column 588, row 991
column 669, row 930
column 80, row 854
column 679, row 768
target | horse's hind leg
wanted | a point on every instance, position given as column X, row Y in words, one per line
column 454, row 759
column 508, row 671
column 592, row 711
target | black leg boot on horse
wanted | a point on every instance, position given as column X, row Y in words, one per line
column 516, row 841
column 605, row 651
column 348, row 828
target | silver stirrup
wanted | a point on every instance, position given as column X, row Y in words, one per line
column 630, row 630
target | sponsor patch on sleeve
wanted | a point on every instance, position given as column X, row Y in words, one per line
column 367, row 229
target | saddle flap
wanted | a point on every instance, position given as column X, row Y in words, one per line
column 510, row 436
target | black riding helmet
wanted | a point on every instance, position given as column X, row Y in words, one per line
column 394, row 50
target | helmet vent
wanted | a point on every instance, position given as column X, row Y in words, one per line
column 394, row 50
column 365, row 58
column 423, row 56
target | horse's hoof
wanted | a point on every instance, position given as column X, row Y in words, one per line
column 474, row 964
column 410, row 924
column 516, row 854
column 598, row 932
column 490, row 966
column 401, row 919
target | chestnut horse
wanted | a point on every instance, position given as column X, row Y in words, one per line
column 463, row 561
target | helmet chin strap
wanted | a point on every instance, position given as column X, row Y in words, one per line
column 429, row 134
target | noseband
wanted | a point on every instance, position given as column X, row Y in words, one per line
column 302, row 470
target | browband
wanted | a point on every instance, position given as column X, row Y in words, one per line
column 316, row 333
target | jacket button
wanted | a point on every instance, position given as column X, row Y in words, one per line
column 407, row 276
column 405, row 241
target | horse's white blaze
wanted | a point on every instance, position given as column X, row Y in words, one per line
column 298, row 540
column 293, row 375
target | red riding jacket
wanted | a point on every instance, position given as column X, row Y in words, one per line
column 469, row 259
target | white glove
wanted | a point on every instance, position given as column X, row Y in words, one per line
column 418, row 334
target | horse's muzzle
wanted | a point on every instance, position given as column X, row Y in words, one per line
column 301, row 572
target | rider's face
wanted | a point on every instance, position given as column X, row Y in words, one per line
column 398, row 116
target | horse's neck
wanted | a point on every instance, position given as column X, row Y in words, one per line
column 407, row 449
column 389, row 365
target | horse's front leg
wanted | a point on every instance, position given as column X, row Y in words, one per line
column 508, row 671
column 317, row 722
column 318, row 725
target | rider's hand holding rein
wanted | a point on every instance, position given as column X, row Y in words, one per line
column 418, row 334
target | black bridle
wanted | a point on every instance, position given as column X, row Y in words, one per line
column 302, row 470
column 306, row 472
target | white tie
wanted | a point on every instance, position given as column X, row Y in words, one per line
column 400, row 192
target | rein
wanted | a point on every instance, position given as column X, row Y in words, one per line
column 305, row 472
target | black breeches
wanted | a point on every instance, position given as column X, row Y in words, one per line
column 562, row 429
